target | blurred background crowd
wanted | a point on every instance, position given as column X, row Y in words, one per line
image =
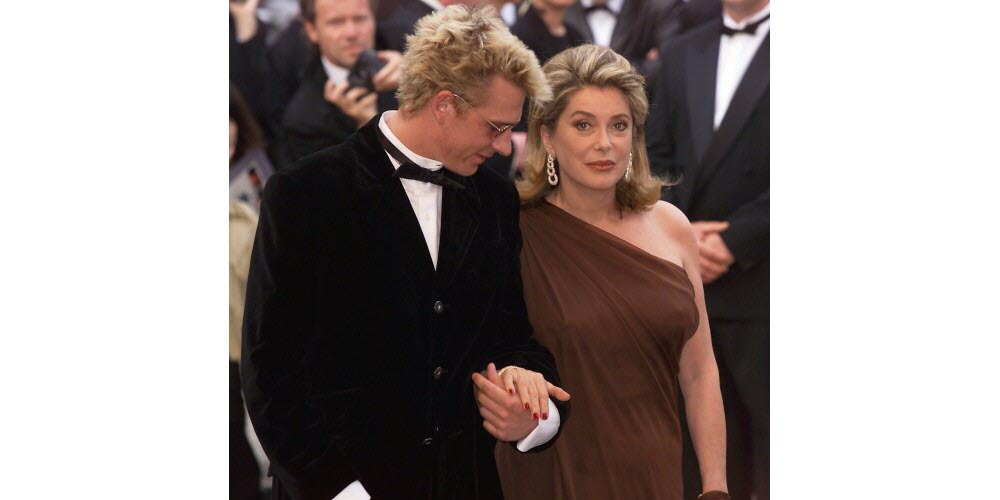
column 305, row 74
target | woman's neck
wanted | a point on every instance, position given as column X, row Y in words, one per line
column 594, row 207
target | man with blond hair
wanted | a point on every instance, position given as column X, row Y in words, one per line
column 386, row 342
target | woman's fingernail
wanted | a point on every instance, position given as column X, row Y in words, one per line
column 511, row 391
column 527, row 406
column 545, row 416
column 534, row 416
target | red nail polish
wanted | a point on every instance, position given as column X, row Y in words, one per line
column 527, row 406
column 545, row 416
column 511, row 391
column 534, row 416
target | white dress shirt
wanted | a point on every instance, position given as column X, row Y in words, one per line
column 602, row 22
column 335, row 73
column 434, row 4
column 425, row 198
column 735, row 53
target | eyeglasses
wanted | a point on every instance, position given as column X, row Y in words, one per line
column 497, row 131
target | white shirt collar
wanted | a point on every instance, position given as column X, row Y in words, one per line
column 728, row 21
column 434, row 4
column 335, row 73
column 614, row 5
column 420, row 161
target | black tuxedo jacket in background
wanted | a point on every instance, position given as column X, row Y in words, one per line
column 312, row 123
column 726, row 172
column 640, row 26
column 357, row 353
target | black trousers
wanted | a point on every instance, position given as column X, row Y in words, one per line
column 742, row 351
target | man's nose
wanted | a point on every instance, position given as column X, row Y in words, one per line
column 502, row 143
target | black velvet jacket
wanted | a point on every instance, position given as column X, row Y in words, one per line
column 357, row 353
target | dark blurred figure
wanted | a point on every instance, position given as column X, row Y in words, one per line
column 249, row 167
column 244, row 473
column 251, row 72
column 244, row 138
column 711, row 128
column 544, row 30
column 326, row 108
column 632, row 28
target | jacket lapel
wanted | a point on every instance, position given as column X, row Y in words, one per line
column 625, row 21
column 702, row 62
column 459, row 222
column 576, row 18
column 755, row 82
column 389, row 214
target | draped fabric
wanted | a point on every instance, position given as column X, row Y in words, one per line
column 616, row 318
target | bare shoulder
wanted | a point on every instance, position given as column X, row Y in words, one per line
column 675, row 224
column 671, row 218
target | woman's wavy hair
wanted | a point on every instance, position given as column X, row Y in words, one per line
column 567, row 72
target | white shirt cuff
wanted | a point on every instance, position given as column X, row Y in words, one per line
column 544, row 432
column 353, row 491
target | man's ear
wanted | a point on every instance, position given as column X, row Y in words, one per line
column 311, row 32
column 443, row 105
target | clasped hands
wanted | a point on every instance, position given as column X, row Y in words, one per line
column 714, row 256
column 511, row 404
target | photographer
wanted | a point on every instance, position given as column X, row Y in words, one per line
column 345, row 83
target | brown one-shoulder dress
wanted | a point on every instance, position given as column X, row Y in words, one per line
column 615, row 317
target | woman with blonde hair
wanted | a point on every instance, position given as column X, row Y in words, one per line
column 613, row 289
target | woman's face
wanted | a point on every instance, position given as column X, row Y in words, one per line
column 234, row 131
column 592, row 139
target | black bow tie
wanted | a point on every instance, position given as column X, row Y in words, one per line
column 749, row 29
column 596, row 7
column 409, row 170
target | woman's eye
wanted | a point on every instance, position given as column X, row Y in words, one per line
column 621, row 126
column 582, row 125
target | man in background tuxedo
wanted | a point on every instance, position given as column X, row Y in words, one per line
column 385, row 276
column 632, row 28
column 325, row 108
column 710, row 128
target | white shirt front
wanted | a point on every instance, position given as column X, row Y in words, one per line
column 425, row 198
column 735, row 53
column 602, row 22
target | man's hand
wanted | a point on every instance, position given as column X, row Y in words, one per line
column 704, row 228
column 714, row 256
column 245, row 18
column 387, row 78
column 504, row 415
column 351, row 102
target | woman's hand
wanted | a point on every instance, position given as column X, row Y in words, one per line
column 533, row 390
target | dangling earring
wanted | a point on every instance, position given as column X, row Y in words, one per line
column 628, row 169
column 550, row 168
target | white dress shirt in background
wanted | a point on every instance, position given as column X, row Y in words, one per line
column 735, row 53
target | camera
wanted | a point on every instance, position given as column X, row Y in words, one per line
column 364, row 70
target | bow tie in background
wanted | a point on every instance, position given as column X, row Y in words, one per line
column 599, row 5
column 749, row 29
